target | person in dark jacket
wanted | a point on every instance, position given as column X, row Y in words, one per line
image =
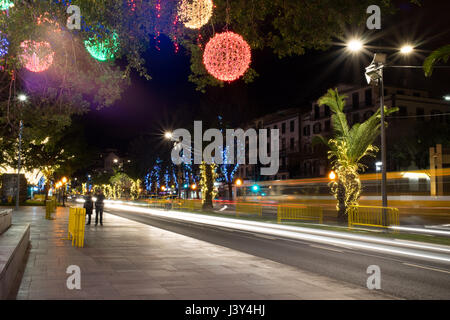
column 89, row 206
column 99, row 204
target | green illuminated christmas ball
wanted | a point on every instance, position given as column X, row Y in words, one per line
column 6, row 4
column 103, row 48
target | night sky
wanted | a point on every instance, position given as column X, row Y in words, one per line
column 169, row 100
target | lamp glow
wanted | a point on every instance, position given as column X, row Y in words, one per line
column 332, row 175
column 406, row 49
column 22, row 97
column 355, row 45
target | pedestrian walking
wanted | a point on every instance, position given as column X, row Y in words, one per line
column 99, row 204
column 89, row 206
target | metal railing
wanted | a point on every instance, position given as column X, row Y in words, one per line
column 159, row 203
column 373, row 216
column 299, row 212
column 187, row 204
column 76, row 227
column 248, row 208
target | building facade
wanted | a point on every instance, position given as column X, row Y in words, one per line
column 361, row 103
column 300, row 159
column 288, row 123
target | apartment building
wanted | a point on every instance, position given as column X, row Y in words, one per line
column 288, row 123
column 362, row 102
column 298, row 157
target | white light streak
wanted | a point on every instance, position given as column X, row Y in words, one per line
column 299, row 233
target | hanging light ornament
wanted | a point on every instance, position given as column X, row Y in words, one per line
column 36, row 56
column 194, row 14
column 6, row 4
column 103, row 48
column 227, row 56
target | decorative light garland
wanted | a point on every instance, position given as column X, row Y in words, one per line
column 46, row 19
column 175, row 31
column 36, row 56
column 6, row 4
column 4, row 45
column 103, row 49
column 227, row 56
column 194, row 14
column 156, row 28
column 132, row 4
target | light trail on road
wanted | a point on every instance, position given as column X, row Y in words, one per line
column 320, row 236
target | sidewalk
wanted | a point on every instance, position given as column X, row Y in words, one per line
column 124, row 259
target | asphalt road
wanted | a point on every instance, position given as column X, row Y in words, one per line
column 401, row 277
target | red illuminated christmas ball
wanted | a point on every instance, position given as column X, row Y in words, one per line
column 36, row 56
column 227, row 56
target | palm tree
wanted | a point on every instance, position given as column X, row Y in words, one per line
column 442, row 53
column 347, row 149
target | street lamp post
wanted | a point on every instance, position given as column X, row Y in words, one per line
column 169, row 136
column 22, row 98
column 383, row 146
column 18, row 165
column 374, row 74
column 64, row 183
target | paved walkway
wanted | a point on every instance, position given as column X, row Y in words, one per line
column 124, row 259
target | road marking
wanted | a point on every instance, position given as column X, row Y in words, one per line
column 424, row 267
column 326, row 248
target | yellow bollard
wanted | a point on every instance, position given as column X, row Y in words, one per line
column 76, row 227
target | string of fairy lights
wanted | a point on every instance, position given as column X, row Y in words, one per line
column 226, row 56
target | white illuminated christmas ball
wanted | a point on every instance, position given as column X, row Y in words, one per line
column 194, row 14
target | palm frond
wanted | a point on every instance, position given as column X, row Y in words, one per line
column 442, row 53
column 336, row 103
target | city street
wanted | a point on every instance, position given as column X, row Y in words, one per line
column 402, row 276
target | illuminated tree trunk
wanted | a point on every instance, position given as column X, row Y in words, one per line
column 340, row 195
column 208, row 177
column 346, row 190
